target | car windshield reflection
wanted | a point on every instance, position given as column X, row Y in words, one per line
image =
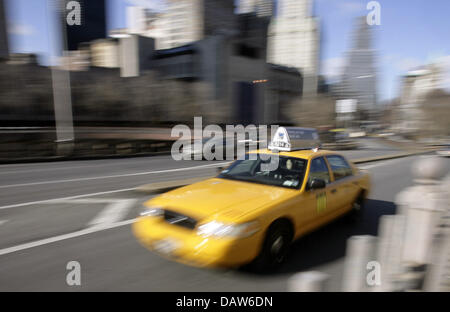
column 288, row 174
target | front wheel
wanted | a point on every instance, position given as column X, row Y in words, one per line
column 275, row 246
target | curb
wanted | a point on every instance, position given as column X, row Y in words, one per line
column 161, row 187
column 387, row 157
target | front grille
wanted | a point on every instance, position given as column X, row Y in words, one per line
column 176, row 218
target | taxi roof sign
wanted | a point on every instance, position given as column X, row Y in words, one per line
column 289, row 139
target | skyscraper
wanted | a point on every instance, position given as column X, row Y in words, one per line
column 359, row 77
column 93, row 24
column 294, row 39
column 4, row 51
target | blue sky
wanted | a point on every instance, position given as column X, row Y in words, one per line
column 412, row 32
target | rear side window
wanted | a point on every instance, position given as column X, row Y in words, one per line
column 339, row 166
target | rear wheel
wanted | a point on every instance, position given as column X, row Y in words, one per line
column 357, row 208
column 275, row 246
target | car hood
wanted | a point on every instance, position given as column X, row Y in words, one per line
column 221, row 198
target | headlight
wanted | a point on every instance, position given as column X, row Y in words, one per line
column 152, row 212
column 219, row 229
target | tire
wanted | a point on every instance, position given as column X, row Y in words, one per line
column 275, row 247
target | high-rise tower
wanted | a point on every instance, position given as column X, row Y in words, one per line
column 294, row 39
column 359, row 77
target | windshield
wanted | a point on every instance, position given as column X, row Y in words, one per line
column 289, row 173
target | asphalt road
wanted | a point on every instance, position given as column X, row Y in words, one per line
column 54, row 213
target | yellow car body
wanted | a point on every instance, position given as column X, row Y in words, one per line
column 257, row 206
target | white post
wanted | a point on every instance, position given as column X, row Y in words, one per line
column 63, row 105
column 312, row 281
column 438, row 273
column 360, row 251
column 423, row 205
column 389, row 253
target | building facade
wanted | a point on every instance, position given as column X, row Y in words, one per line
column 294, row 40
column 262, row 8
column 240, row 86
column 182, row 22
column 105, row 53
column 209, row 54
column 412, row 115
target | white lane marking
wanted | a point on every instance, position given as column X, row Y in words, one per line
column 113, row 213
column 62, row 199
column 75, row 164
column 58, row 238
column 3, row 221
column 114, row 176
column 86, row 201
column 51, row 167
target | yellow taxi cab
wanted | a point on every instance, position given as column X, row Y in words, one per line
column 250, row 213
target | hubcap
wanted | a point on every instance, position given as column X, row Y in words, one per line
column 277, row 245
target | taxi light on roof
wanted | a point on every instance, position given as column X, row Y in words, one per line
column 289, row 139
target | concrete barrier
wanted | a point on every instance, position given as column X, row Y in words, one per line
column 389, row 250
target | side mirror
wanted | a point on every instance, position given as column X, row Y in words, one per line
column 317, row 184
column 220, row 169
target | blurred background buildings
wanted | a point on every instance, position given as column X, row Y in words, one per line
column 423, row 105
column 203, row 58
column 252, row 61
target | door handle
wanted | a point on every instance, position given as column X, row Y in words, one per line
column 333, row 191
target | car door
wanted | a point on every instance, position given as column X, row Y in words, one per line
column 343, row 189
column 317, row 201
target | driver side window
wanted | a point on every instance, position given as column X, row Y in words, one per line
column 319, row 170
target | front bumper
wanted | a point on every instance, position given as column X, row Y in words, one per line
column 185, row 246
